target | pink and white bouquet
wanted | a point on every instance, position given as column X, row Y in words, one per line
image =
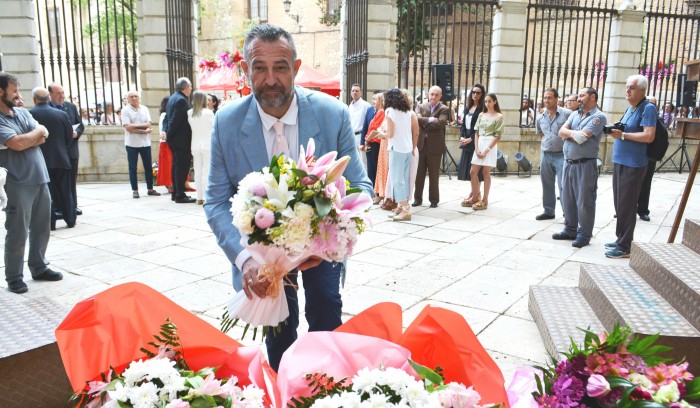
column 387, row 387
column 287, row 213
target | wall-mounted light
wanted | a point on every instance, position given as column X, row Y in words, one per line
column 287, row 6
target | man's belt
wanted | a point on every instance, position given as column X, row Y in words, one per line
column 577, row 161
column 357, row 133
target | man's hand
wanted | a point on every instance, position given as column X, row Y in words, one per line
column 310, row 263
column 251, row 284
column 616, row 133
column 75, row 134
column 463, row 141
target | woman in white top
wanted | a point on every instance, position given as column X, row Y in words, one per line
column 402, row 137
column 201, row 121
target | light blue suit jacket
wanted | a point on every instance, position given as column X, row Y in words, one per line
column 238, row 148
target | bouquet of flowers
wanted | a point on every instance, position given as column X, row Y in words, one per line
column 289, row 212
column 165, row 380
column 616, row 370
column 387, row 387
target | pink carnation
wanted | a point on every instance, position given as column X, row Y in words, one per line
column 264, row 218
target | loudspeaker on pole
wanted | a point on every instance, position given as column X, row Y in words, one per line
column 443, row 76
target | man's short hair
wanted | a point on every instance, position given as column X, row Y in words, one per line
column 554, row 91
column 355, row 85
column 40, row 94
column 182, row 83
column 6, row 79
column 592, row 91
column 639, row 80
column 267, row 33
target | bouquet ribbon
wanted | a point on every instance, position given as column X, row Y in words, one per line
column 274, row 274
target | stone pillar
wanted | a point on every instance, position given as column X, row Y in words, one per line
column 623, row 59
column 154, row 81
column 381, row 44
column 507, row 59
column 19, row 46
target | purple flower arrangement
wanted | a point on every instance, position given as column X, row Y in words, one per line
column 616, row 369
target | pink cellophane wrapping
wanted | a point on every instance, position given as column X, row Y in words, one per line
column 109, row 329
column 522, row 386
column 267, row 311
column 338, row 355
column 436, row 337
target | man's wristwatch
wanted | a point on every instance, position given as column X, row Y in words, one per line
column 623, row 135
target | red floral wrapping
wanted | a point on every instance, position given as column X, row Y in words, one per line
column 437, row 337
column 110, row 328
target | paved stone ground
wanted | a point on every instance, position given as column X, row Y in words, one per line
column 479, row 264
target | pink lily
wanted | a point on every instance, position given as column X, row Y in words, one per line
column 210, row 386
column 317, row 171
column 336, row 170
column 341, row 186
column 326, row 159
column 355, row 204
column 97, row 387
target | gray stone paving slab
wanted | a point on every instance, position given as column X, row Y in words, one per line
column 479, row 264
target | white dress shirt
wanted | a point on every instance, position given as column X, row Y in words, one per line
column 358, row 110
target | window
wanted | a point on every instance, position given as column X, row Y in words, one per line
column 258, row 10
column 332, row 7
column 54, row 23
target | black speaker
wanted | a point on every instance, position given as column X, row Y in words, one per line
column 687, row 92
column 443, row 75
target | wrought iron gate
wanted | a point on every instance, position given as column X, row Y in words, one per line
column 179, row 49
column 356, row 53
column 454, row 32
column 90, row 47
column 566, row 46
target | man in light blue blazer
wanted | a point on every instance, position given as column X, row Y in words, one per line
column 243, row 140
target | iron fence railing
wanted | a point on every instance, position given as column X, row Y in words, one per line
column 90, row 47
column 566, row 47
column 670, row 39
column 179, row 50
column 357, row 54
column 436, row 32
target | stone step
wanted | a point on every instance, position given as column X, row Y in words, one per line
column 673, row 270
column 559, row 312
column 617, row 294
column 29, row 353
column 691, row 235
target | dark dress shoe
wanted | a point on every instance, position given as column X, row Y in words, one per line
column 58, row 214
column 185, row 200
column 416, row 203
column 49, row 275
column 579, row 243
column 78, row 211
column 70, row 224
column 644, row 217
column 544, row 217
column 17, row 286
column 433, row 205
column 562, row 236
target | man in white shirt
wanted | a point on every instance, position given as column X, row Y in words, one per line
column 137, row 138
column 358, row 110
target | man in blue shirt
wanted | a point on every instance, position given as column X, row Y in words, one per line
column 630, row 162
column 581, row 133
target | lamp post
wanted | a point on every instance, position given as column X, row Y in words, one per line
column 287, row 6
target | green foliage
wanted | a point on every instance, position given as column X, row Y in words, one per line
column 328, row 17
column 412, row 30
column 321, row 386
column 227, row 323
column 114, row 20
column 167, row 339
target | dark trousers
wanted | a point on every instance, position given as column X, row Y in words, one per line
column 322, row 310
column 627, row 182
column 132, row 155
column 74, row 179
column 182, row 157
column 579, row 190
column 372, row 160
column 61, row 195
column 643, row 202
column 430, row 163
